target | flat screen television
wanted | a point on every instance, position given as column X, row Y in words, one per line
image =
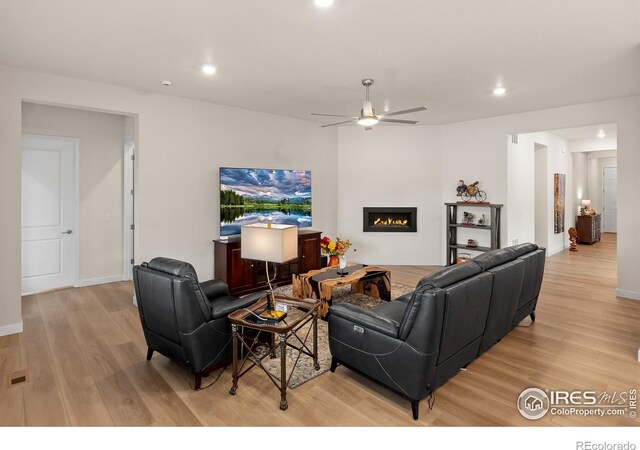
column 263, row 195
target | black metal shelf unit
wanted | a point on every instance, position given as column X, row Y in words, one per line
column 452, row 229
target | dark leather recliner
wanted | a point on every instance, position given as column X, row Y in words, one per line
column 417, row 342
column 183, row 319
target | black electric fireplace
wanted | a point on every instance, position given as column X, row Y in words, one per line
column 392, row 220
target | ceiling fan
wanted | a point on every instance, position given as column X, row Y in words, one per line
column 368, row 117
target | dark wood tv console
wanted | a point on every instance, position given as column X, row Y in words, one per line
column 245, row 276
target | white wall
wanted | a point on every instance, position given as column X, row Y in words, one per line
column 390, row 166
column 580, row 185
column 593, row 144
column 523, row 198
column 101, row 145
column 181, row 144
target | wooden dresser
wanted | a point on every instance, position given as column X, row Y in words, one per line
column 589, row 229
column 244, row 276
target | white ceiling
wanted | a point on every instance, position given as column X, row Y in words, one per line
column 588, row 132
column 291, row 58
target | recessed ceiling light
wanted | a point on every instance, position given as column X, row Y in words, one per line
column 323, row 3
column 208, row 69
column 499, row 91
column 601, row 134
column 167, row 83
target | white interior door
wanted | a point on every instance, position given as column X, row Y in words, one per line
column 610, row 199
column 48, row 212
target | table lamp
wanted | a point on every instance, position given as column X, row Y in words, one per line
column 269, row 243
column 586, row 206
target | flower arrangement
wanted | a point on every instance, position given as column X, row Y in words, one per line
column 334, row 248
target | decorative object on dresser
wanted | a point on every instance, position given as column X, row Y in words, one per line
column 453, row 225
column 588, row 229
column 467, row 218
column 417, row 342
column 558, row 203
column 470, row 193
column 463, row 258
column 370, row 280
column 270, row 243
column 183, row 319
column 245, row 275
column 336, row 250
column 586, row 209
column 573, row 238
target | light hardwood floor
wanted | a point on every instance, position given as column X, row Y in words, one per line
column 85, row 353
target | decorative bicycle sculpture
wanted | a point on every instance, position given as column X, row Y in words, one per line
column 472, row 191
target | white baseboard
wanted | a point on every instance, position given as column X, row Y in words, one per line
column 101, row 280
column 14, row 328
column 556, row 251
column 632, row 295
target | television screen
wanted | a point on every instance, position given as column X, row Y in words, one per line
column 263, row 195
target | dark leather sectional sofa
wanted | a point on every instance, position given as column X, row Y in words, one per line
column 417, row 342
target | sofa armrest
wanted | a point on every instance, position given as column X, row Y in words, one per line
column 366, row 318
column 213, row 289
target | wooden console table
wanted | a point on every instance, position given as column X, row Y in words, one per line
column 369, row 280
column 588, row 229
column 244, row 275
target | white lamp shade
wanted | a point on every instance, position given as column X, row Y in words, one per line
column 269, row 242
column 586, row 202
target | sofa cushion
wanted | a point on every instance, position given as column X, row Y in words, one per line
column 450, row 275
column 494, row 258
column 391, row 310
column 406, row 298
column 523, row 249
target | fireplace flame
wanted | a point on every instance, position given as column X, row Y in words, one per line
column 380, row 222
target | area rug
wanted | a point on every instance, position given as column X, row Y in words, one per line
column 304, row 368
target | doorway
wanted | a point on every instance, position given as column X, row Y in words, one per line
column 103, row 243
column 49, row 242
column 610, row 199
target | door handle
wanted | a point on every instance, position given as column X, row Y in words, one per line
column 67, row 232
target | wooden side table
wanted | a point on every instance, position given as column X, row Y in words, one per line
column 286, row 331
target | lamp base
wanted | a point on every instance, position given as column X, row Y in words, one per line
column 273, row 316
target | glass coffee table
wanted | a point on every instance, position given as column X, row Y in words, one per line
column 247, row 330
column 373, row 281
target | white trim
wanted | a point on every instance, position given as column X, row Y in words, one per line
column 101, row 280
column 14, row 328
column 632, row 295
column 127, row 205
column 556, row 251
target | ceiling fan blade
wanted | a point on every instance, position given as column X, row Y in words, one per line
column 410, row 122
column 404, row 111
column 339, row 123
column 332, row 115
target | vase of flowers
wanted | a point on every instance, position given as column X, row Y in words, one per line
column 335, row 249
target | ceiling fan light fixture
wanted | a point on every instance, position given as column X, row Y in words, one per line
column 367, row 121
